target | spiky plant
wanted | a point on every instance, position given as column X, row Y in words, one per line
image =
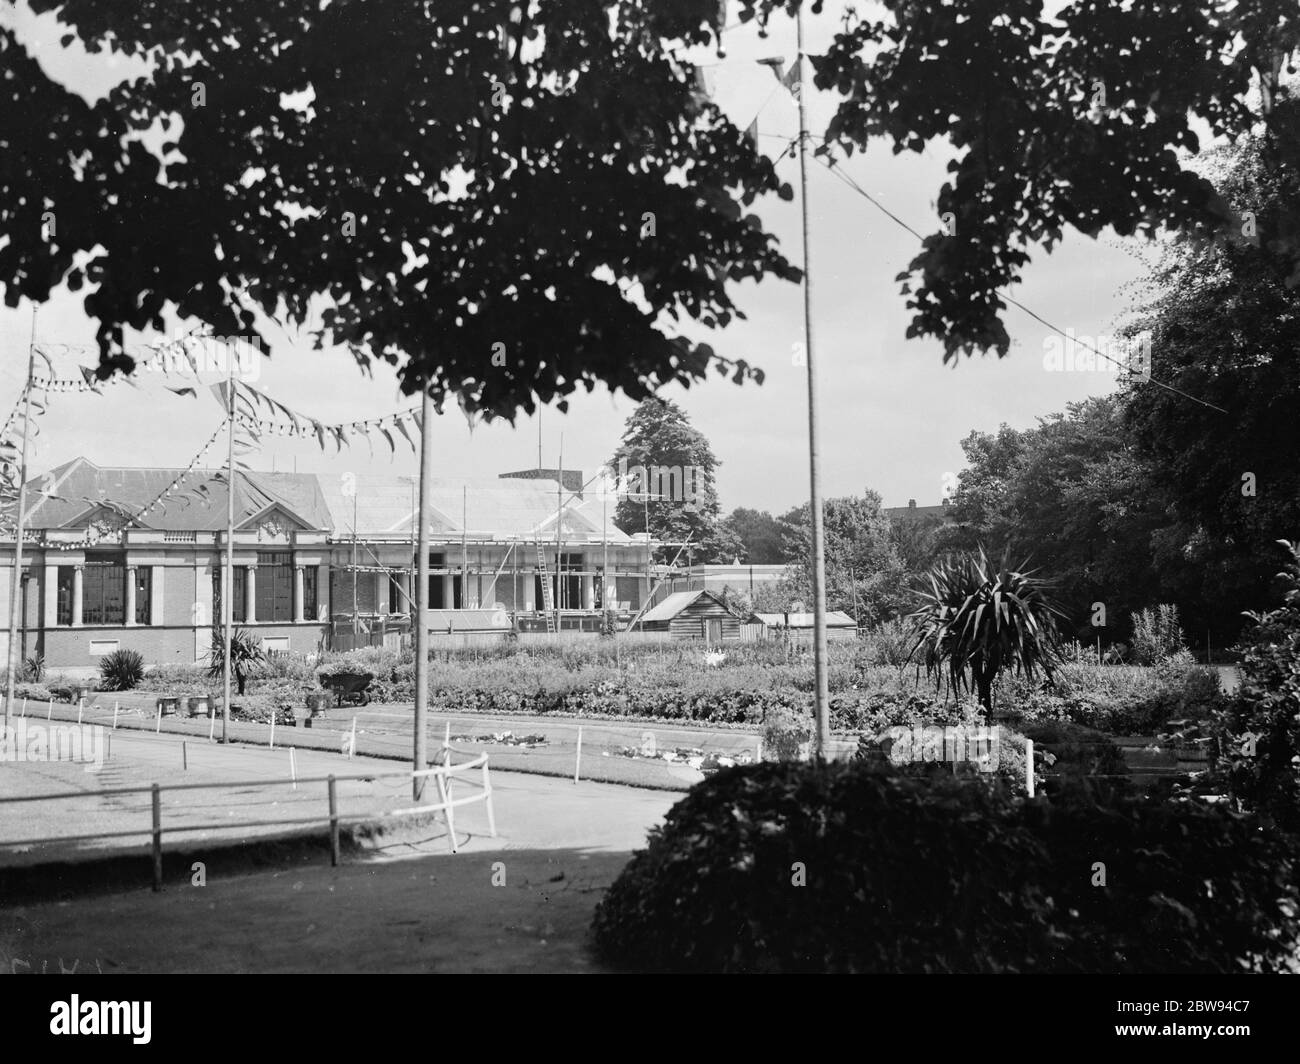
column 974, row 620
column 245, row 654
column 121, row 670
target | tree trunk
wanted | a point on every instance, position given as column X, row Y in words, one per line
column 984, row 689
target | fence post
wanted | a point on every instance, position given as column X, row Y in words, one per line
column 157, row 839
column 352, row 746
column 293, row 768
column 158, row 726
column 272, row 746
column 24, row 706
column 185, row 757
column 115, row 715
column 487, row 790
column 49, row 708
column 212, row 721
column 577, row 761
column 334, row 823
column 81, row 705
column 1029, row 766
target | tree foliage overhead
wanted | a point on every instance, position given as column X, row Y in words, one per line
column 1069, row 115
column 508, row 201
column 1225, row 326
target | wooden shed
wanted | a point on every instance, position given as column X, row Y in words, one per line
column 696, row 614
column 798, row 627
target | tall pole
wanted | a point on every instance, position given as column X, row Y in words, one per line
column 228, row 599
column 16, row 582
column 421, row 761
column 355, row 622
column 559, row 525
column 822, row 733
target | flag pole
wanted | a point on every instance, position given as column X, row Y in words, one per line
column 15, row 598
column 228, row 599
column 421, row 760
column 822, row 733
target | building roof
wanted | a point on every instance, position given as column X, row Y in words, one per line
column 675, row 604
column 380, row 506
column 834, row 619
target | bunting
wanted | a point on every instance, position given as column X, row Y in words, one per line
column 258, row 415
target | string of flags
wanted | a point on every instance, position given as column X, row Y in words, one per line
column 257, row 414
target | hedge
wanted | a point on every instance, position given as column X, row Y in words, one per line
column 935, row 875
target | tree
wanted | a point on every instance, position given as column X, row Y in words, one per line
column 1224, row 322
column 1259, row 728
column 975, row 620
column 1076, row 496
column 864, row 574
column 1058, row 115
column 760, row 534
column 666, row 472
column 500, row 199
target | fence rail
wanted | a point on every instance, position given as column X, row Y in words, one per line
column 442, row 774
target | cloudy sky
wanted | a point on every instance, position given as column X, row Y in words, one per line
column 892, row 413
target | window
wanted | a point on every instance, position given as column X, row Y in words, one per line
column 396, row 595
column 310, row 575
column 64, row 593
column 103, row 592
column 143, row 587
column 274, row 586
column 218, row 575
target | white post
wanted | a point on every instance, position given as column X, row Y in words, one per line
column 272, row 746
column 24, row 706
column 49, row 708
column 212, row 722
column 352, row 746
column 577, row 761
column 115, row 716
column 1029, row 766
column 81, row 705
column 293, row 768
column 158, row 726
column 446, row 737
column 758, row 749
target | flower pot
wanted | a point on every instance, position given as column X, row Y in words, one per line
column 199, row 705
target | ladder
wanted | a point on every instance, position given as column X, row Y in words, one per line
column 548, row 598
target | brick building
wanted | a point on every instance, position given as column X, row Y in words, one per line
column 319, row 559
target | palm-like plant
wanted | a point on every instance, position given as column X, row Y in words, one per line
column 245, row 653
column 975, row 620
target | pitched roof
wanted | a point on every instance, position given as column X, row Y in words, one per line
column 674, row 604
column 384, row 505
column 834, row 619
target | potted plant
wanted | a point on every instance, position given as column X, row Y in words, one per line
column 199, row 705
column 319, row 701
column 301, row 715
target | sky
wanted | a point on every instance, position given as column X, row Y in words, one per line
column 892, row 415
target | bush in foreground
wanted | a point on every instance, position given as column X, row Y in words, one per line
column 906, row 875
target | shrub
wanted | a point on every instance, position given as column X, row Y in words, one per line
column 245, row 655
column 786, row 734
column 888, row 643
column 1157, row 635
column 1074, row 750
column 121, row 670
column 849, row 868
column 1258, row 730
column 33, row 670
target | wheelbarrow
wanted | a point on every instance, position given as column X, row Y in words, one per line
column 349, row 687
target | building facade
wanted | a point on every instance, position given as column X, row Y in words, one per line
column 319, row 561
